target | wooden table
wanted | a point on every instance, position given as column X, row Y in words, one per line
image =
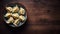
column 43, row 17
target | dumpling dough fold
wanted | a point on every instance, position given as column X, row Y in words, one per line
column 16, row 22
column 10, row 20
column 22, row 11
column 8, row 15
column 9, row 9
column 15, row 9
column 15, row 15
column 22, row 18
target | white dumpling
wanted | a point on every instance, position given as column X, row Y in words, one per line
column 22, row 18
column 9, row 9
column 22, row 11
column 8, row 15
column 15, row 9
column 10, row 20
column 15, row 15
column 16, row 22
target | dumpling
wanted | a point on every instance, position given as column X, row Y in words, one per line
column 15, row 15
column 22, row 18
column 22, row 11
column 8, row 15
column 16, row 22
column 10, row 20
column 9, row 9
column 15, row 9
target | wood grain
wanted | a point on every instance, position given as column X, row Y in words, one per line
column 43, row 17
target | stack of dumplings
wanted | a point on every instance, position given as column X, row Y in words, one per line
column 15, row 15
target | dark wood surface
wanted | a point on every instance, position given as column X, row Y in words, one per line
column 43, row 17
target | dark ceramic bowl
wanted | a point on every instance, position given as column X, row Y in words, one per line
column 12, row 5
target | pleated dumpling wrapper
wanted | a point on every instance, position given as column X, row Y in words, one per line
column 22, row 11
column 8, row 15
column 16, row 22
column 15, row 15
column 9, row 9
column 22, row 18
column 15, row 9
column 10, row 20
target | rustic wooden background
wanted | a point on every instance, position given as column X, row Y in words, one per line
column 43, row 17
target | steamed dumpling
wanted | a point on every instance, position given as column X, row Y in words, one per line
column 9, row 9
column 16, row 22
column 10, row 20
column 15, row 9
column 8, row 15
column 22, row 11
column 22, row 18
column 15, row 15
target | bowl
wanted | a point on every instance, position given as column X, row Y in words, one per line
column 12, row 5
